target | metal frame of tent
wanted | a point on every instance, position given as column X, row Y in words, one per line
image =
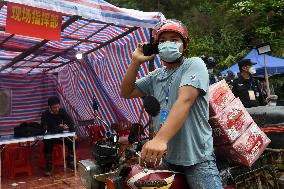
column 48, row 56
column 106, row 45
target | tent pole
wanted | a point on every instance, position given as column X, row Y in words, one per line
column 36, row 47
column 98, row 47
column 266, row 77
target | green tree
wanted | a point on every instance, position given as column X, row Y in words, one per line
column 225, row 29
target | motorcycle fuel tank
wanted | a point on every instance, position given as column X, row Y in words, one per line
column 144, row 178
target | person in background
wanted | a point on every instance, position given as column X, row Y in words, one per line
column 56, row 120
column 246, row 87
column 211, row 64
column 230, row 77
column 182, row 127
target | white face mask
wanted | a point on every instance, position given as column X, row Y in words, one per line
column 252, row 70
column 169, row 51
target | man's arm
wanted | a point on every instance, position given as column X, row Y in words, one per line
column 155, row 148
column 44, row 120
column 68, row 121
column 127, row 88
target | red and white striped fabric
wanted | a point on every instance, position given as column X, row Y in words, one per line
column 29, row 98
column 99, row 75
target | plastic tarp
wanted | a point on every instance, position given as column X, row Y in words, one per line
column 274, row 65
column 98, row 75
column 99, row 24
column 99, row 10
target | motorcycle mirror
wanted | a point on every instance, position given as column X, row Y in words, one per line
column 95, row 105
column 151, row 105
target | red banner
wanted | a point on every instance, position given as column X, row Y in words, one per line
column 34, row 22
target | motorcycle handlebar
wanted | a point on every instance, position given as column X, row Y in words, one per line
column 131, row 151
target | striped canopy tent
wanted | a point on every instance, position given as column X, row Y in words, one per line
column 33, row 69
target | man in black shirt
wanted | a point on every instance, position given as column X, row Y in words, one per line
column 56, row 120
column 246, row 87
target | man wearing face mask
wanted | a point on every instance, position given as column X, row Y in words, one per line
column 246, row 87
column 181, row 128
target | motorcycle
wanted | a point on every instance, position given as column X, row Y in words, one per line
column 111, row 170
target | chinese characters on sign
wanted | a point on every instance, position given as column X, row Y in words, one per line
column 34, row 22
column 35, row 17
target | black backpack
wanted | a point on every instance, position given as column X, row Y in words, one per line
column 28, row 129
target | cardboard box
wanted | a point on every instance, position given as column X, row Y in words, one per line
column 230, row 123
column 247, row 148
column 220, row 95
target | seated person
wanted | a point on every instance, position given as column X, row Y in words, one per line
column 56, row 120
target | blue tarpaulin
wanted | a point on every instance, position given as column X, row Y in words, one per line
column 274, row 65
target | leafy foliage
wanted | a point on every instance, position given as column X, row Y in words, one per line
column 224, row 29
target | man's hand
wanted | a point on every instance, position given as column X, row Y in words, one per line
column 127, row 87
column 138, row 56
column 271, row 99
column 64, row 126
column 153, row 151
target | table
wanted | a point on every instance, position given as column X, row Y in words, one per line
column 12, row 140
